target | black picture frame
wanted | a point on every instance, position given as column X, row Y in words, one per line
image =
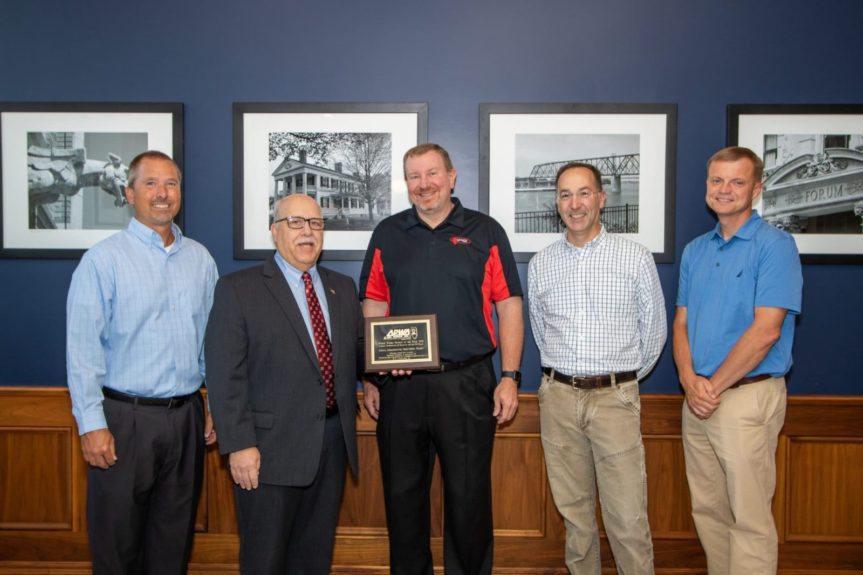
column 511, row 134
column 264, row 165
column 813, row 173
column 52, row 205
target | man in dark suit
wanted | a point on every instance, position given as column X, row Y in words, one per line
column 281, row 351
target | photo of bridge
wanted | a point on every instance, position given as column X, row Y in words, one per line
column 540, row 156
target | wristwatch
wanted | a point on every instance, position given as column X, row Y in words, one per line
column 514, row 375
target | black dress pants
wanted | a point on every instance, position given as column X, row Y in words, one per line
column 141, row 511
column 446, row 414
column 290, row 530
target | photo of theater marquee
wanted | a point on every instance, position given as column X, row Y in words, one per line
column 813, row 173
column 813, row 183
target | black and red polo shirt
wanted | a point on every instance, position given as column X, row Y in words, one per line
column 456, row 271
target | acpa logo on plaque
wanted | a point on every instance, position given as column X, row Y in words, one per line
column 402, row 333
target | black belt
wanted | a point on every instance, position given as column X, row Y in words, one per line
column 169, row 402
column 590, row 381
column 451, row 365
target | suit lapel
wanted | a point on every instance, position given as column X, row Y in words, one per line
column 335, row 316
column 278, row 286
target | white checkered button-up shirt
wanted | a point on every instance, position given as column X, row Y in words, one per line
column 597, row 309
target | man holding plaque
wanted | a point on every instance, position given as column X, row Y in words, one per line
column 443, row 259
column 281, row 347
column 598, row 317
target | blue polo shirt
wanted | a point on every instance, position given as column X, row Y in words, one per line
column 721, row 284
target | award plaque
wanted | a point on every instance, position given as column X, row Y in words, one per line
column 401, row 342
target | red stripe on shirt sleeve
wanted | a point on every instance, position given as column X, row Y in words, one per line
column 377, row 287
column 494, row 288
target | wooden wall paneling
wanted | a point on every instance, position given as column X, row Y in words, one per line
column 825, row 498
column 217, row 496
column 519, row 486
column 820, row 557
column 362, row 511
column 668, row 501
column 817, row 507
column 824, row 417
column 35, row 478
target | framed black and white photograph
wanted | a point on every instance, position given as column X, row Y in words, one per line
column 347, row 156
column 633, row 146
column 813, row 173
column 64, row 169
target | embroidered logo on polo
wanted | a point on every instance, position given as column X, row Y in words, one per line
column 459, row 241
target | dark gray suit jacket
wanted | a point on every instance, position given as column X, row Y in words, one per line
column 264, row 385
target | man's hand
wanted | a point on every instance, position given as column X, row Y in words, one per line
column 245, row 465
column 505, row 400
column 700, row 397
column 98, row 448
column 209, row 431
column 372, row 399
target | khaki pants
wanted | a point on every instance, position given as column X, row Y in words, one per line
column 731, row 469
column 593, row 437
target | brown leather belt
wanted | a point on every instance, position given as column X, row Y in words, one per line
column 590, row 381
column 748, row 380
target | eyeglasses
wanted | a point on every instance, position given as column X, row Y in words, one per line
column 299, row 222
column 580, row 194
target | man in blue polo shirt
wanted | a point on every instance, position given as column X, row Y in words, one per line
column 740, row 288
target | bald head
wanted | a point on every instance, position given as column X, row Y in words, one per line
column 296, row 202
column 294, row 237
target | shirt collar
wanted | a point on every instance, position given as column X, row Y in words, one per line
column 592, row 244
column 149, row 236
column 292, row 275
column 746, row 231
column 455, row 216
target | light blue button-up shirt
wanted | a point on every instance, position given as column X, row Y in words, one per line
column 135, row 319
column 294, row 277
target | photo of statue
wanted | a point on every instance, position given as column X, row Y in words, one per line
column 76, row 180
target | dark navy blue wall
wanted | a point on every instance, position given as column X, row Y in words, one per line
column 453, row 55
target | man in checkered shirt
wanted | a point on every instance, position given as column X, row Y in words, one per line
column 598, row 317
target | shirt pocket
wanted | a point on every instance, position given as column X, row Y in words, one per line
column 614, row 301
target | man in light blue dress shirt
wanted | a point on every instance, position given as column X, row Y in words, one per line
column 136, row 314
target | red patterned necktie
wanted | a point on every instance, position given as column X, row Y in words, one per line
column 322, row 340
